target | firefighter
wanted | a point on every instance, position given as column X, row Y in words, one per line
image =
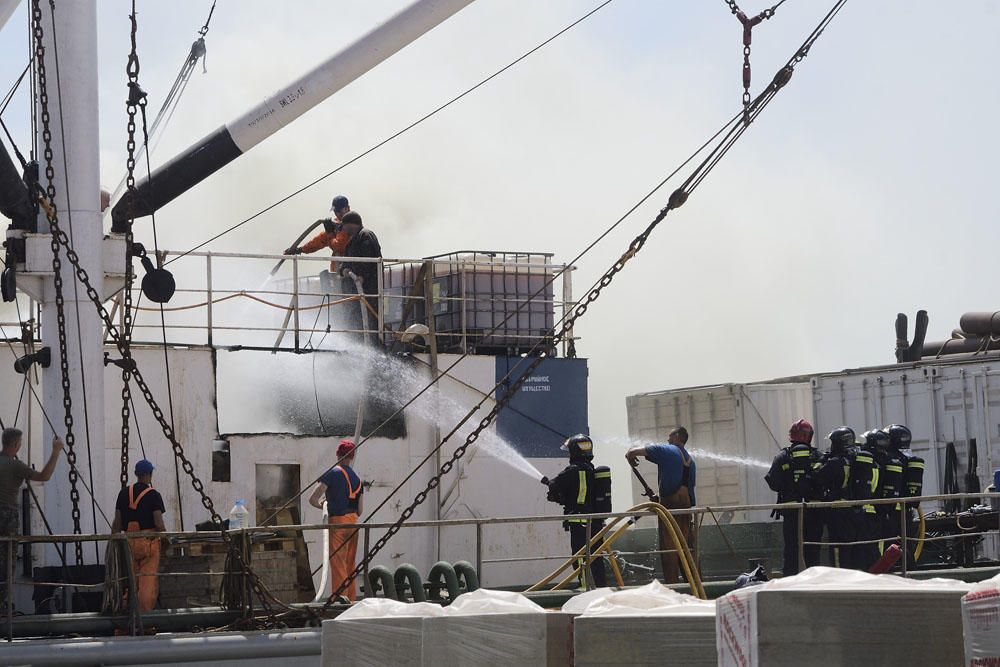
column 579, row 491
column 892, row 466
column 900, row 440
column 833, row 477
column 866, row 473
column 140, row 509
column 791, row 477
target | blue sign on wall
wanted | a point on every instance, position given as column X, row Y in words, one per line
column 550, row 406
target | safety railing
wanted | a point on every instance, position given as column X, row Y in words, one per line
column 463, row 302
column 10, row 544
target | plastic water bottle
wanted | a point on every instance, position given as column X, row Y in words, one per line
column 239, row 516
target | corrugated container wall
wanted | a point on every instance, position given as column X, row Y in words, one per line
column 942, row 402
column 955, row 403
column 735, row 430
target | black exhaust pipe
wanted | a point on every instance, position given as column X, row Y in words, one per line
column 902, row 344
column 919, row 334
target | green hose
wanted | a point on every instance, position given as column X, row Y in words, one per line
column 380, row 576
column 442, row 576
column 407, row 576
column 467, row 574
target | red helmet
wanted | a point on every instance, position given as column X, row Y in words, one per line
column 346, row 448
column 801, row 431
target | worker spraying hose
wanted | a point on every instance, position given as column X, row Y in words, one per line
column 582, row 489
column 676, row 481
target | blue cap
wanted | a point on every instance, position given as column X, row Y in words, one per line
column 144, row 467
column 339, row 203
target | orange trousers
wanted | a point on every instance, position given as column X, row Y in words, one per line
column 146, row 563
column 342, row 558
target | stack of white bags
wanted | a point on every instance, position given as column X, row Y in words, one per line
column 649, row 625
column 484, row 627
column 827, row 616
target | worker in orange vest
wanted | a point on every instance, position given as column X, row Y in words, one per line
column 333, row 235
column 140, row 509
column 342, row 489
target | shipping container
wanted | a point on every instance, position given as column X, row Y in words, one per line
column 736, row 421
column 943, row 402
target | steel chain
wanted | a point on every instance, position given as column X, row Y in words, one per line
column 136, row 98
column 60, row 238
column 748, row 25
column 676, row 200
column 60, row 301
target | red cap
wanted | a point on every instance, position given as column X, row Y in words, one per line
column 346, row 448
column 801, row 431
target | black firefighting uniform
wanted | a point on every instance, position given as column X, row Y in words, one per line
column 891, row 470
column 864, row 484
column 573, row 488
column 832, row 481
column 791, row 477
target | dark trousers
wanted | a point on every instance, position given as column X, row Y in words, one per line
column 813, row 532
column 578, row 540
column 10, row 526
column 840, row 528
column 866, row 526
column 355, row 319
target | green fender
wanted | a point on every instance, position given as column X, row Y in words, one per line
column 442, row 576
column 467, row 574
column 407, row 575
column 381, row 576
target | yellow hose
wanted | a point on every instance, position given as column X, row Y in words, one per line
column 605, row 547
column 593, row 540
column 670, row 525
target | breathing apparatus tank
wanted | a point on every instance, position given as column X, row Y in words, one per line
column 602, row 489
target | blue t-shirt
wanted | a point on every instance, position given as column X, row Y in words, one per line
column 338, row 499
column 669, row 460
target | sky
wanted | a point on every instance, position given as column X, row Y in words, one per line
column 862, row 191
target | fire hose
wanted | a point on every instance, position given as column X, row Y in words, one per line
column 599, row 543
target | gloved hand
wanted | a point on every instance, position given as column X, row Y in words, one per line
column 545, row 481
column 294, row 250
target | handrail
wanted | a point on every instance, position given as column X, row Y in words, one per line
column 506, row 520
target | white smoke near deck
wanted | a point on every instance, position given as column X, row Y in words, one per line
column 841, row 206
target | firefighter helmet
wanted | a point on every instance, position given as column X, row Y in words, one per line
column 899, row 436
column 801, row 431
column 841, row 438
column 876, row 439
column 579, row 445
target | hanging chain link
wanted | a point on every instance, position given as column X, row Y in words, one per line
column 60, row 301
column 748, row 26
column 120, row 338
column 136, row 99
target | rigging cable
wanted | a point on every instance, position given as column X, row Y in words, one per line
column 48, row 420
column 76, row 287
column 676, row 200
column 172, row 100
column 232, row 599
column 3, row 107
column 57, row 281
column 163, row 322
column 383, row 142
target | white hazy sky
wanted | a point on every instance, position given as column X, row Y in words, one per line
column 863, row 190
